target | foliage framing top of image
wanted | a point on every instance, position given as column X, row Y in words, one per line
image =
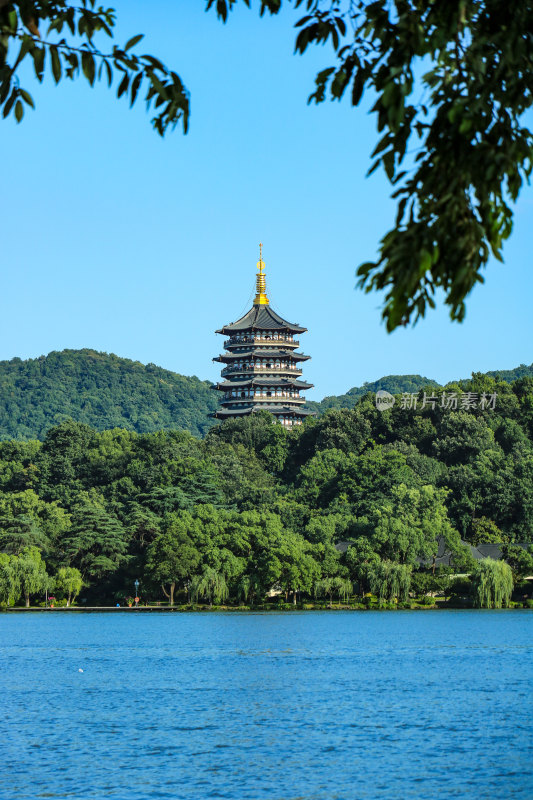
column 451, row 144
column 450, row 79
column 34, row 28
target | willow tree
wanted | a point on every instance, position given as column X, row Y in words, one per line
column 32, row 573
column 493, row 584
column 341, row 587
column 9, row 580
column 68, row 580
column 390, row 581
column 210, row 585
column 249, row 587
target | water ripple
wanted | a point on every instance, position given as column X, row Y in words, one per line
column 293, row 706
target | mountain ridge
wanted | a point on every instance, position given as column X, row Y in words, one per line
column 105, row 391
column 102, row 390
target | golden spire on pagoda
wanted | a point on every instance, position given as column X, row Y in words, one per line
column 261, row 299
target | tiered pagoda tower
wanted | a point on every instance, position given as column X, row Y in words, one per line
column 262, row 369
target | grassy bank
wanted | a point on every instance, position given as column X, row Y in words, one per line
column 370, row 604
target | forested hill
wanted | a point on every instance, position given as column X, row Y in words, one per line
column 105, row 392
column 398, row 384
column 510, row 375
column 101, row 390
column 395, row 384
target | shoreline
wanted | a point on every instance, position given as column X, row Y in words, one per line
column 246, row 609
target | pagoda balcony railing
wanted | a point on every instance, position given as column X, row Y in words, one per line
column 261, row 370
column 262, row 340
column 260, row 398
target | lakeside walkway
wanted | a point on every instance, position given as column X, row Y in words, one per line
column 101, row 608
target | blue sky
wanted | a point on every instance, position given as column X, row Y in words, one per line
column 117, row 240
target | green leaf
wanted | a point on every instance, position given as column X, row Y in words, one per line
column 38, row 62
column 358, row 87
column 26, row 96
column 109, row 72
column 25, row 47
column 123, row 85
column 9, row 105
column 401, row 210
column 364, row 269
column 373, row 168
column 56, row 64
column 425, row 262
column 88, row 66
column 5, row 86
column 19, row 110
column 324, row 75
column 135, row 87
column 158, row 86
column 341, row 25
column 154, row 62
column 388, row 163
column 381, row 145
column 133, row 41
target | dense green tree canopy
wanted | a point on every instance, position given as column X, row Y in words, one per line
column 172, row 557
column 253, row 510
column 395, row 384
column 95, row 544
column 101, row 390
column 105, row 391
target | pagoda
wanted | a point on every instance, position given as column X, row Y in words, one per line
column 262, row 366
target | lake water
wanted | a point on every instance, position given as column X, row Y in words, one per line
column 284, row 706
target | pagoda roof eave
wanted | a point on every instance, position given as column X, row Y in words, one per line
column 291, row 355
column 261, row 317
column 278, row 382
column 272, row 409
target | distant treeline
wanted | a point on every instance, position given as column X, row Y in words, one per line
column 398, row 384
column 253, row 508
